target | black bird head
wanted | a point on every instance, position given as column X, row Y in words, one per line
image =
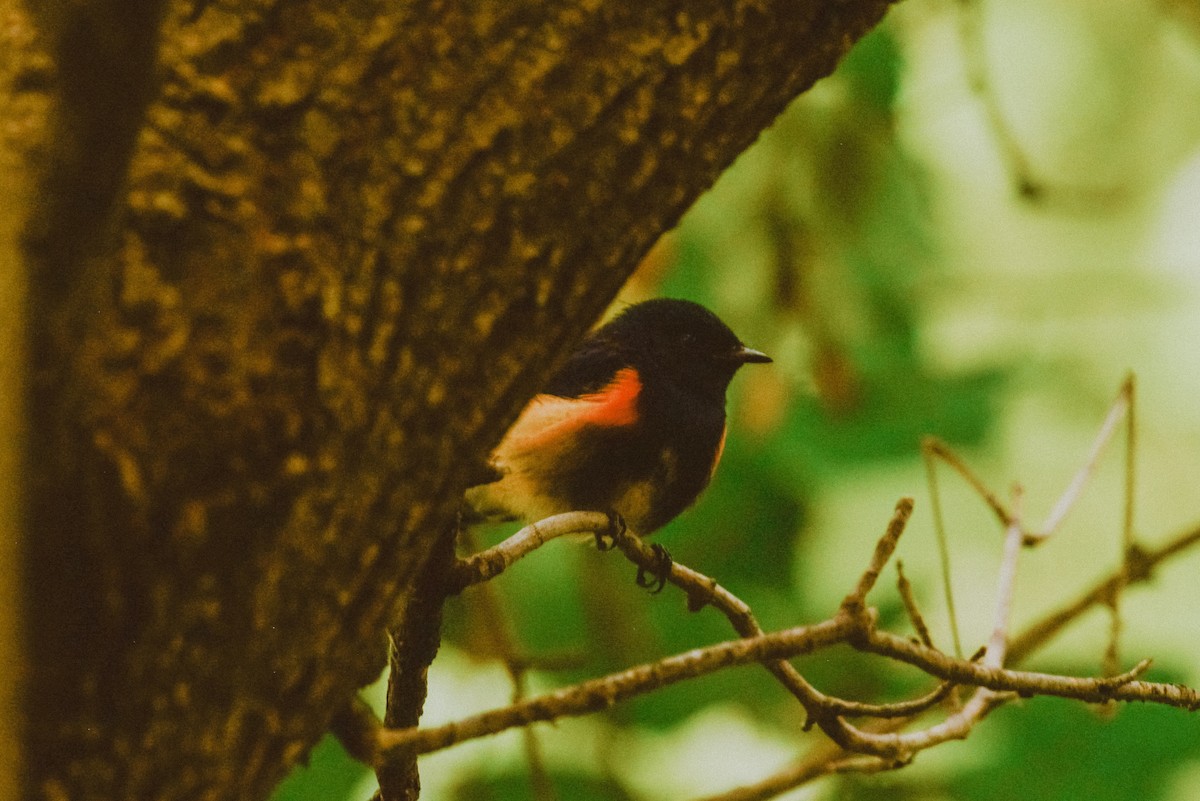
column 682, row 342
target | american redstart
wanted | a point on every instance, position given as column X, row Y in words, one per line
column 633, row 423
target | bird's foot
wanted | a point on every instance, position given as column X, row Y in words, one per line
column 654, row 578
column 607, row 540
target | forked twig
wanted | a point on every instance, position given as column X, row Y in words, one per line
column 1122, row 409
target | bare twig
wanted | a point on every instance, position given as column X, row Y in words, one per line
column 931, row 447
column 959, row 724
column 601, row 693
column 1116, row 413
column 703, row 591
column 820, row 762
column 495, row 560
column 1112, row 652
column 1129, row 392
column 1139, row 565
column 884, row 549
column 899, row 709
column 910, row 606
column 823, row 761
column 1027, row 185
column 998, row 644
column 824, row 710
column 1093, row 690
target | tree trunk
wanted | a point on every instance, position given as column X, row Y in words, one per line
column 265, row 359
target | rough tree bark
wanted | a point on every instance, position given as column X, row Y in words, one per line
column 351, row 240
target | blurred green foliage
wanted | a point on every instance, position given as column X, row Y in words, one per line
column 1048, row 750
column 330, row 774
column 567, row 785
column 875, row 243
column 1132, row 755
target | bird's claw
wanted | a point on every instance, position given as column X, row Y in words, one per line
column 652, row 577
column 655, row 578
column 606, row 540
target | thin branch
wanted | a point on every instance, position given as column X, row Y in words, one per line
column 899, row 709
column 1123, row 687
column 1111, row 660
column 413, row 642
column 854, row 624
column 998, row 644
column 824, row 710
column 824, row 762
column 704, row 591
column 820, row 763
column 910, row 606
column 601, row 693
column 1129, row 392
column 1140, row 566
column 701, row 590
column 970, row 28
column 960, row 723
column 490, row 563
column 1116, row 413
column 955, row 727
column 1112, row 651
column 884, row 549
column 931, row 447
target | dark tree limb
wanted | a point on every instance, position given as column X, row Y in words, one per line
column 350, row 241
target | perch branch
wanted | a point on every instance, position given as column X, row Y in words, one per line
column 493, row 561
column 853, row 624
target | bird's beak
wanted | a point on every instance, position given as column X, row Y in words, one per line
column 744, row 355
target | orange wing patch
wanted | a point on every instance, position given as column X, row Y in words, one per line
column 549, row 420
column 616, row 404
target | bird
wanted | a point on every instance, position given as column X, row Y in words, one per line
column 632, row 424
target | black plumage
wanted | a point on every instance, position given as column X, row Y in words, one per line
column 632, row 423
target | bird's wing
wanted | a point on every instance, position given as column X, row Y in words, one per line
column 588, row 370
column 550, row 421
